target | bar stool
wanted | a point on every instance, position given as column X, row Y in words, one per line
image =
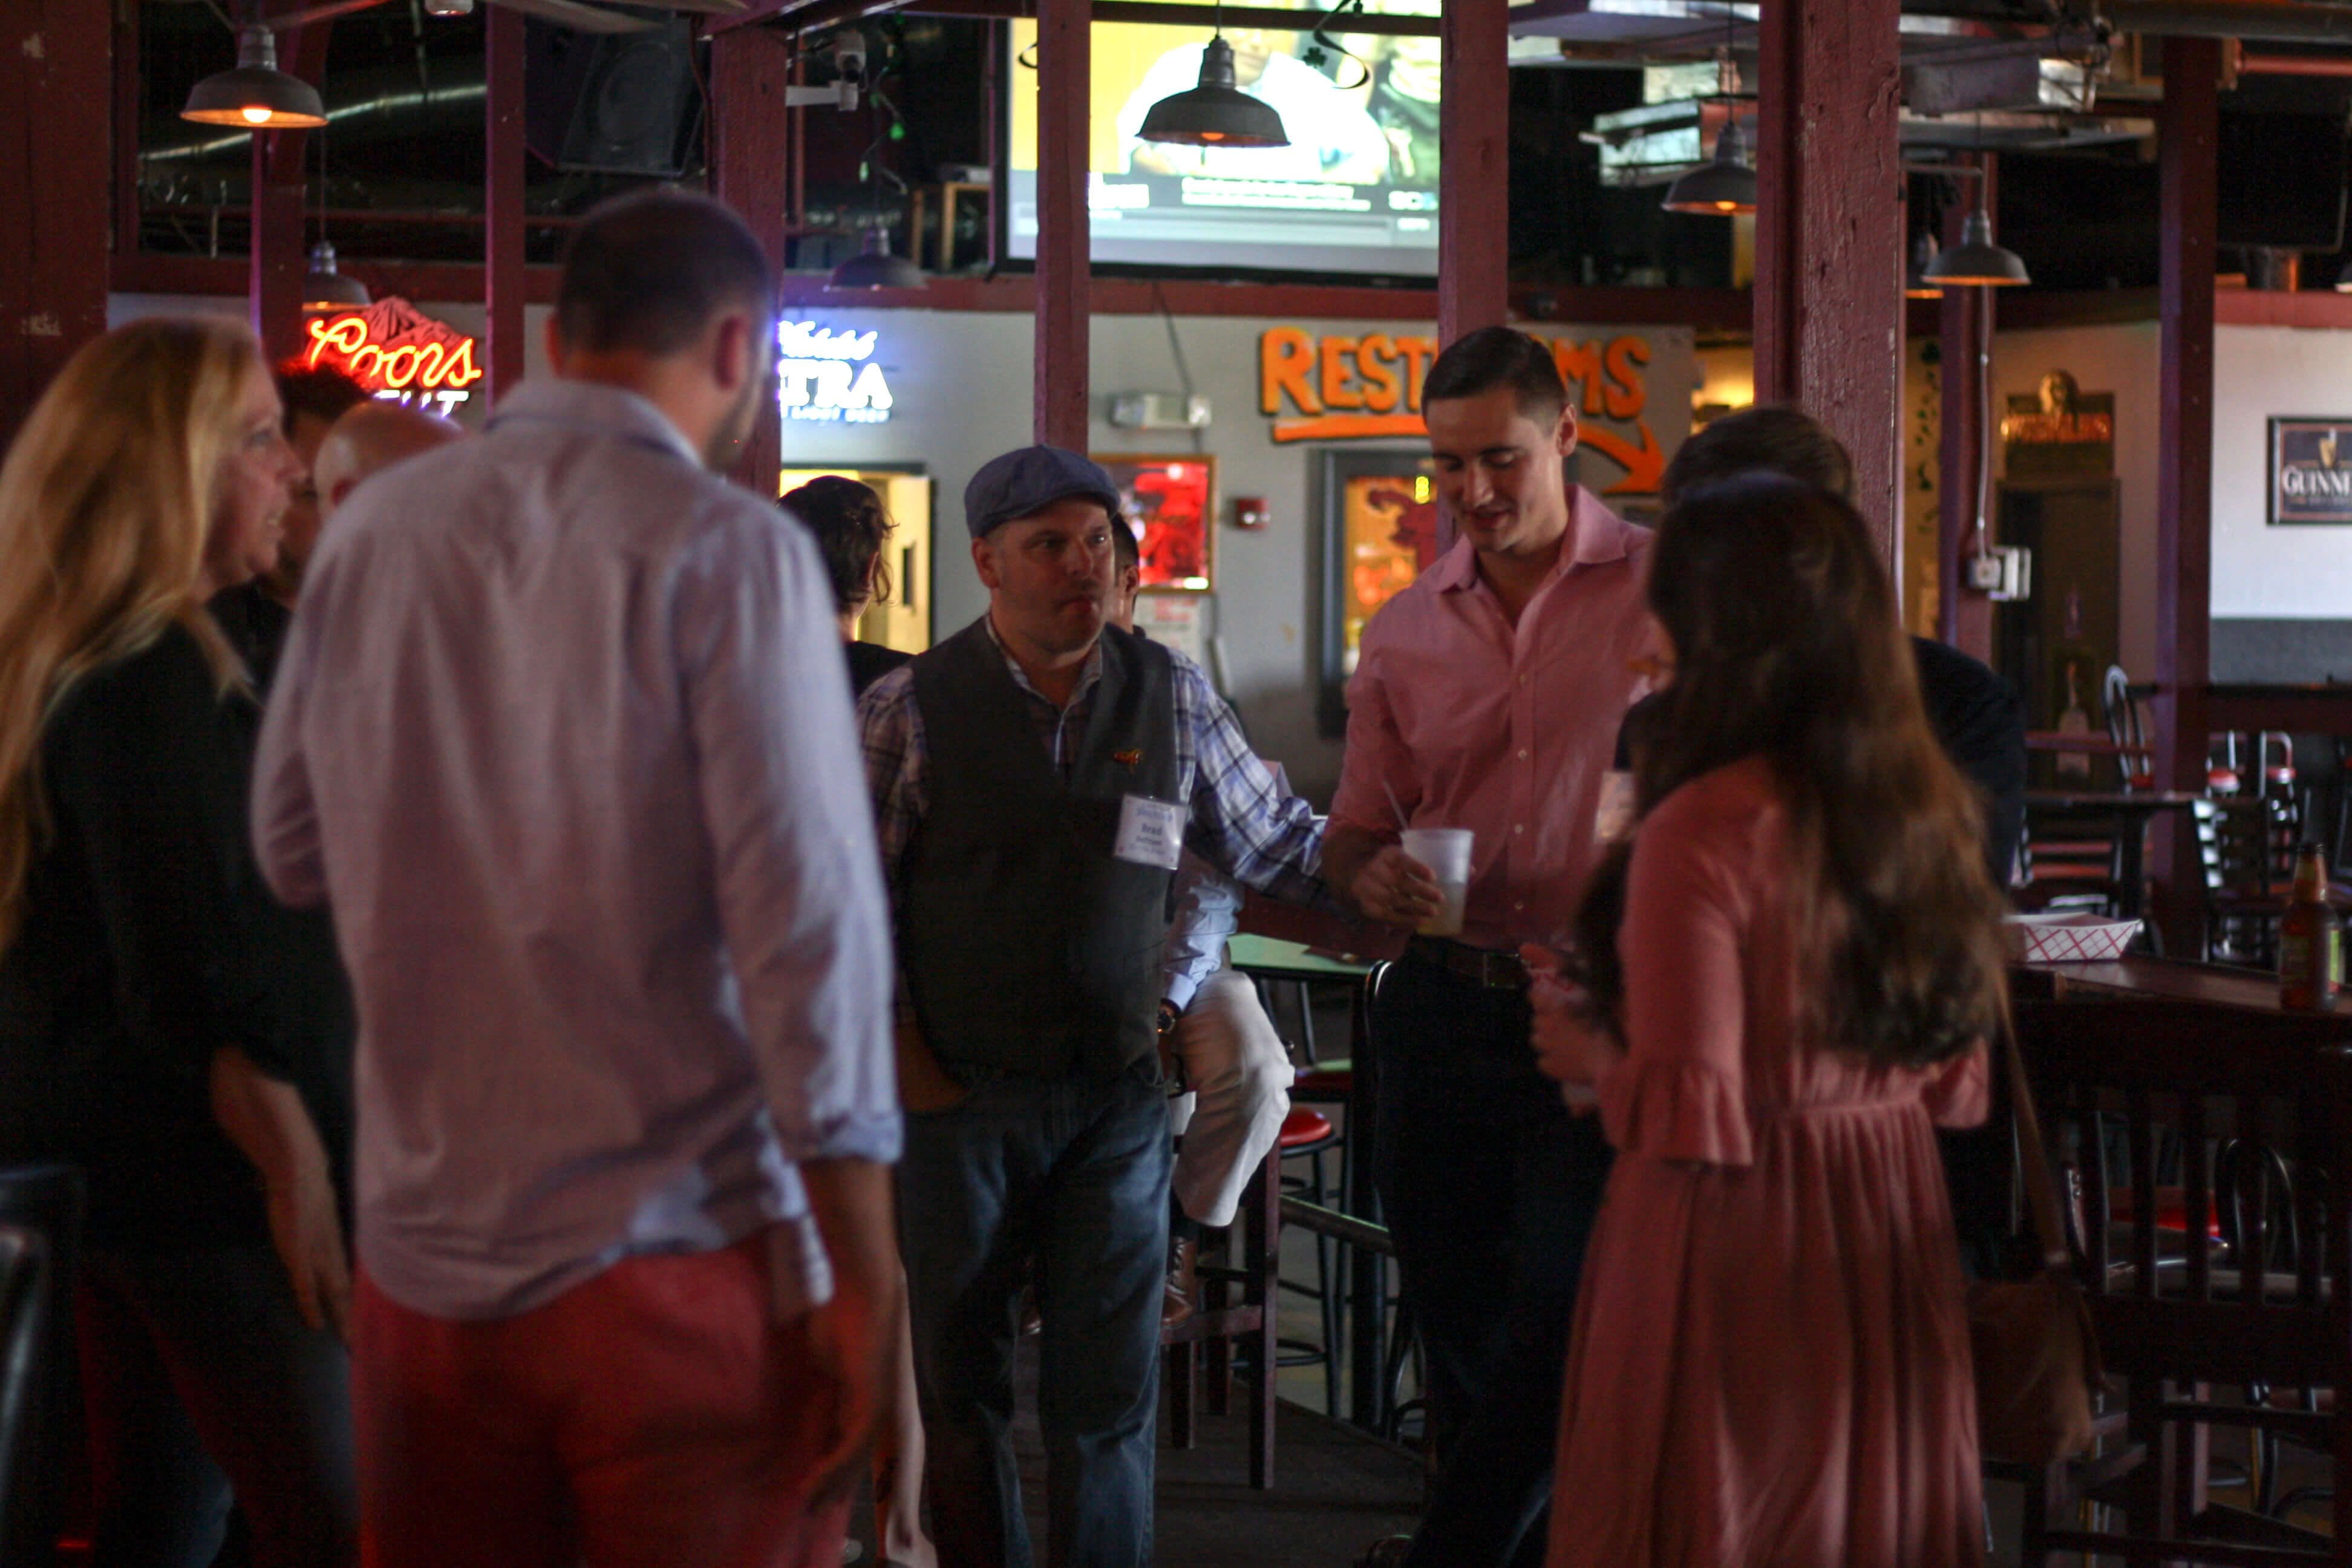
column 1309, row 1135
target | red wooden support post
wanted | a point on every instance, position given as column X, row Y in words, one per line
column 1065, row 278
column 53, row 184
column 1473, row 121
column 1828, row 234
column 2189, row 193
column 502, row 272
column 1964, row 616
column 751, row 156
column 275, row 258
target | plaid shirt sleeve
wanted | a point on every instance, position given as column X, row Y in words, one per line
column 898, row 766
column 1243, row 823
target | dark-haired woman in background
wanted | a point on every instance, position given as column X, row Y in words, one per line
column 851, row 527
column 1770, row 1358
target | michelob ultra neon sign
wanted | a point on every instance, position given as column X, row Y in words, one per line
column 829, row 376
column 396, row 352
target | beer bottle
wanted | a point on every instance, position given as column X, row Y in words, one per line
column 2311, row 942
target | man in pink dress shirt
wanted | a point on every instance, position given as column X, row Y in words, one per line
column 1487, row 696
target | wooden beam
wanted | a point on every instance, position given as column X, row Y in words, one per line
column 1828, row 234
column 804, row 15
column 439, row 282
column 504, row 354
column 752, row 158
column 53, row 184
column 1474, row 175
column 2189, row 189
column 1065, row 273
column 275, row 262
column 1964, row 616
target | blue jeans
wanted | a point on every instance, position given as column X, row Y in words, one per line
column 1490, row 1188
column 1072, row 1174
column 200, row 1378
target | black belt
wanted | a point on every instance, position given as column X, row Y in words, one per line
column 1489, row 967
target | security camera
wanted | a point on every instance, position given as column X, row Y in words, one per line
column 849, row 56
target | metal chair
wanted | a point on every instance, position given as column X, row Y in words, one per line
column 2183, row 1311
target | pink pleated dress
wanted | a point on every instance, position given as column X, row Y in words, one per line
column 1770, row 1360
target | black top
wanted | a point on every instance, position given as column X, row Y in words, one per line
column 148, row 941
column 1027, row 944
column 1979, row 718
column 255, row 625
column 870, row 661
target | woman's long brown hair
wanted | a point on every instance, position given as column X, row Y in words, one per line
column 1787, row 645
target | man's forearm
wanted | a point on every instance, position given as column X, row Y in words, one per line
column 852, row 1204
column 1346, row 850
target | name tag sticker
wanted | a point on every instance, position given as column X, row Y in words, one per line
column 1615, row 818
column 1151, row 832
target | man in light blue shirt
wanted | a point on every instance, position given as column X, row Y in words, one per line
column 561, row 732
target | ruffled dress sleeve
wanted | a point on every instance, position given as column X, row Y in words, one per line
column 1678, row 1092
column 1958, row 1093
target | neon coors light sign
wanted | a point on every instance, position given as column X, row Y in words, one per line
column 829, row 377
column 397, row 353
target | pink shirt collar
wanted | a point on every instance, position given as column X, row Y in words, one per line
column 1595, row 536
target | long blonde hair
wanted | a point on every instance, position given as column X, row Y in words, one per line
column 106, row 505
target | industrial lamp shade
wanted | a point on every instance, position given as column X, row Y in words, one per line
column 875, row 268
column 324, row 288
column 1977, row 262
column 1216, row 113
column 2344, row 280
column 256, row 95
column 1721, row 186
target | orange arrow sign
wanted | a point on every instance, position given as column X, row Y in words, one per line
column 1645, row 466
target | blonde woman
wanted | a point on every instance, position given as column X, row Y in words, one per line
column 140, row 1033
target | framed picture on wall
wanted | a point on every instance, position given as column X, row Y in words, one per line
column 2311, row 469
column 1171, row 504
column 1380, row 533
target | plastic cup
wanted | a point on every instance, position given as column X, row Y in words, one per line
column 1446, row 852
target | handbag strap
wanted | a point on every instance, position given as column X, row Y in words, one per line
column 2041, row 1189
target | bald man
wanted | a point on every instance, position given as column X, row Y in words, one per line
column 373, row 436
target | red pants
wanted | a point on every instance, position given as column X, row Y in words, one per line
column 652, row 1417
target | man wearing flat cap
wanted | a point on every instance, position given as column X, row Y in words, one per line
column 1035, row 778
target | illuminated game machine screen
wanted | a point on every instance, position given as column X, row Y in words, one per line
column 1355, row 191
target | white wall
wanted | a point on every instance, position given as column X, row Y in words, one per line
column 2301, row 572
column 2124, row 360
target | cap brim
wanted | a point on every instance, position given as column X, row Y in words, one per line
column 1108, row 500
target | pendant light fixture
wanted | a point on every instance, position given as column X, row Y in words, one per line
column 1977, row 262
column 1724, row 185
column 1721, row 186
column 324, row 287
column 2344, row 280
column 256, row 95
column 1216, row 113
column 874, row 267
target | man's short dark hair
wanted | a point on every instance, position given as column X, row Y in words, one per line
column 1123, row 543
column 647, row 272
column 319, row 391
column 851, row 526
column 1479, row 361
column 1775, row 438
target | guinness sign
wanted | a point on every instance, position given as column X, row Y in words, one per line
column 2311, row 470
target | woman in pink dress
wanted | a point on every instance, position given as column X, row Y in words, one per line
column 1771, row 1359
